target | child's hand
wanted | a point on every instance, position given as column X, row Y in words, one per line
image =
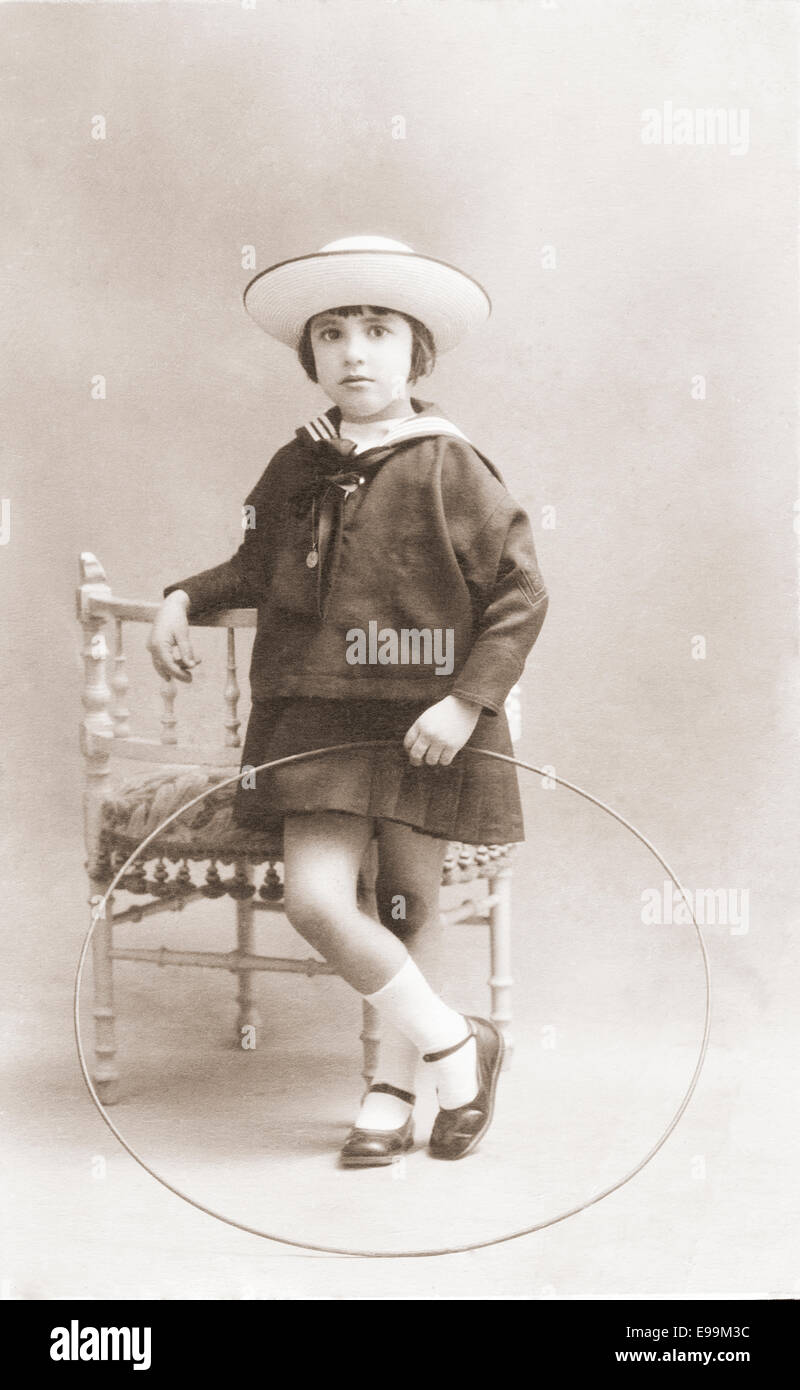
column 169, row 643
column 441, row 731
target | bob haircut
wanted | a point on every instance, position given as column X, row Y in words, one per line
column 423, row 349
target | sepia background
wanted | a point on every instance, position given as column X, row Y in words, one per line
column 636, row 387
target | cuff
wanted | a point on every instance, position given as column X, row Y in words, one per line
column 189, row 587
column 487, row 676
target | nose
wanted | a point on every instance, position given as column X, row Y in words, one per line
column 354, row 350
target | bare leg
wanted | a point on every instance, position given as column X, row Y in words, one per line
column 407, row 892
column 407, row 888
column 322, row 853
column 407, row 897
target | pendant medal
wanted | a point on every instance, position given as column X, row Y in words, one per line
column 311, row 559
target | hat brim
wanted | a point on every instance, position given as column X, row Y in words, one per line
column 283, row 298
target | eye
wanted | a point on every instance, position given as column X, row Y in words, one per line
column 379, row 329
column 327, row 331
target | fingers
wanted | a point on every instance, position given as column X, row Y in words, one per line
column 425, row 748
column 412, row 736
column 165, row 664
column 417, row 751
column 429, row 751
column 186, row 656
column 169, row 669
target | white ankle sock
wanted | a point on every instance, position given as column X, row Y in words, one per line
column 408, row 1002
column 398, row 1062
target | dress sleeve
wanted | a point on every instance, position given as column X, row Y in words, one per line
column 510, row 602
column 222, row 586
column 239, row 581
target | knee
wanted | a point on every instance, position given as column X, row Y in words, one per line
column 404, row 907
column 312, row 911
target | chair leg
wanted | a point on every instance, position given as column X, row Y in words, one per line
column 500, row 980
column 105, row 1075
column 371, row 1039
column 248, row 1017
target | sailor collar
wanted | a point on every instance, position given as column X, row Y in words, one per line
column 324, row 429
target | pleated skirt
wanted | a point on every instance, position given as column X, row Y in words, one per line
column 475, row 800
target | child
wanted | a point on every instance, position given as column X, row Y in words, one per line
column 398, row 595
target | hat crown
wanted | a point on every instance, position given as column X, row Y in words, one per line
column 367, row 270
column 365, row 243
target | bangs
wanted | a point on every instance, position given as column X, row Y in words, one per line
column 349, row 311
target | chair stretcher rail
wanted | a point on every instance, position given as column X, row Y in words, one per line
column 137, row 611
column 222, row 960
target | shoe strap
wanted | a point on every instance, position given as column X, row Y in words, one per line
column 388, row 1090
column 437, row 1056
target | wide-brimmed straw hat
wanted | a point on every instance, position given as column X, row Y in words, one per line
column 367, row 270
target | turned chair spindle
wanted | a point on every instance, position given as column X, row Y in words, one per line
column 120, row 713
column 232, row 693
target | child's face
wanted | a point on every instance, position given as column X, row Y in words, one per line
column 363, row 362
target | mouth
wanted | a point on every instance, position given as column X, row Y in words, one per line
column 354, row 380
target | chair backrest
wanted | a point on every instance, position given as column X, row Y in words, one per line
column 106, row 726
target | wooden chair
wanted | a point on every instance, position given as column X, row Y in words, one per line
column 117, row 818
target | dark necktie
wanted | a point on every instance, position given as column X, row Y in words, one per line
column 342, row 446
column 325, row 495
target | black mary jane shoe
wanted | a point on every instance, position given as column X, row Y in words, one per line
column 371, row 1148
column 457, row 1132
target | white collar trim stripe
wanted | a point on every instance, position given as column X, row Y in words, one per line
column 322, row 428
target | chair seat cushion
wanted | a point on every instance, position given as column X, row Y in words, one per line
column 207, row 831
